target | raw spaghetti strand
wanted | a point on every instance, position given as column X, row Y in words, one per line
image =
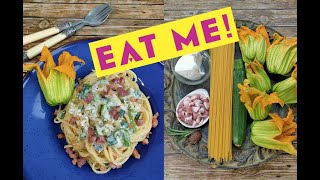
column 220, row 115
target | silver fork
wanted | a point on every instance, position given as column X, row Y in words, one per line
column 94, row 18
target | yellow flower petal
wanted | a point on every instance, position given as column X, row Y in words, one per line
column 28, row 67
column 56, row 82
column 275, row 133
column 243, row 33
column 274, row 144
column 66, row 66
column 262, row 30
column 266, row 99
column 48, row 59
column 258, row 103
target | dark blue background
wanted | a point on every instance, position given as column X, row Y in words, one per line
column 43, row 154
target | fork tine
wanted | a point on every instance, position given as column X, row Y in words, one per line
column 101, row 7
column 101, row 13
column 102, row 17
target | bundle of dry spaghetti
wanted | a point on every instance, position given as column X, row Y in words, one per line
column 220, row 115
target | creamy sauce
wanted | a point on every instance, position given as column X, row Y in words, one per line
column 99, row 113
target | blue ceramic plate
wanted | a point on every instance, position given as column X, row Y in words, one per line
column 43, row 153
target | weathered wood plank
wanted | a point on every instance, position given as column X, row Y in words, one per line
column 81, row 10
column 235, row 4
column 287, row 17
column 286, row 31
column 108, row 28
column 179, row 166
column 97, row 1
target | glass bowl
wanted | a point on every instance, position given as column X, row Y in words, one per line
column 206, row 66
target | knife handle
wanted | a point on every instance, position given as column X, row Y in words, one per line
column 40, row 35
column 38, row 48
column 47, row 32
column 29, row 54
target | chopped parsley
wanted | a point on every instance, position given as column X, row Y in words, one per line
column 137, row 116
column 84, row 92
column 132, row 121
column 98, row 147
column 111, row 140
column 121, row 113
column 61, row 114
column 124, row 124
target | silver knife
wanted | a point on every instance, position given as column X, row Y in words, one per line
column 46, row 33
column 29, row 54
column 95, row 17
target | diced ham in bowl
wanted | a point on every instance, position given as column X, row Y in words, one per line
column 193, row 109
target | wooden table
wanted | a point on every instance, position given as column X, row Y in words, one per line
column 127, row 16
column 130, row 15
column 280, row 15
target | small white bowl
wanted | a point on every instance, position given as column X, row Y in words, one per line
column 197, row 91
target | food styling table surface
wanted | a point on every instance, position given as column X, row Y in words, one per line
column 126, row 16
column 130, row 15
column 280, row 15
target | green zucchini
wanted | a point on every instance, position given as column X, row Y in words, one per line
column 239, row 112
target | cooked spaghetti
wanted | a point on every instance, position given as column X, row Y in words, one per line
column 220, row 111
column 104, row 121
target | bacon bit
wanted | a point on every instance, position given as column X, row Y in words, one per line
column 92, row 139
column 139, row 122
column 79, row 88
column 89, row 98
column 154, row 123
column 156, row 115
column 74, row 161
column 132, row 99
column 145, row 141
column 102, row 168
column 110, row 92
column 116, row 80
column 72, row 121
column 112, row 165
column 102, row 93
column 116, row 116
column 100, row 140
column 55, row 112
column 81, row 161
column 155, row 120
column 122, row 92
column 60, row 136
column 72, row 156
column 113, row 86
column 139, row 101
column 68, row 150
column 122, row 80
column 136, row 154
column 113, row 111
column 149, row 134
column 91, row 131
